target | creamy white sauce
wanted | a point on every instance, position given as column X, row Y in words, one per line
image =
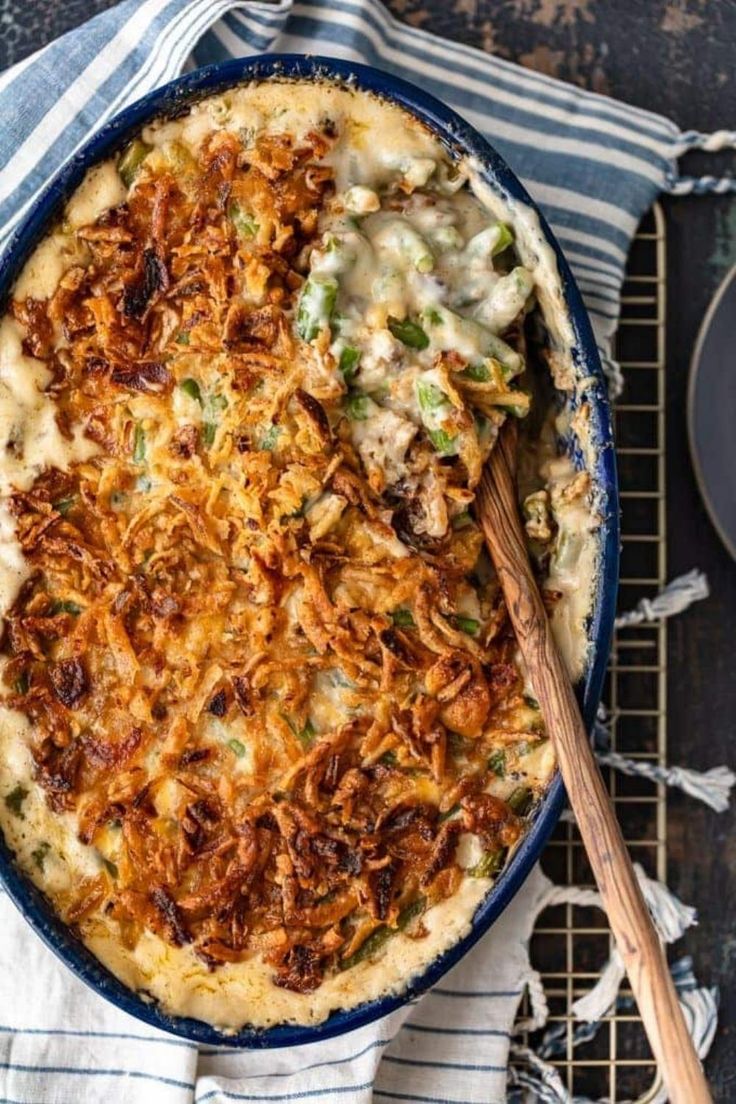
column 100, row 190
column 244, row 992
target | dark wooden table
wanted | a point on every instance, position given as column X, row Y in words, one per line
column 676, row 57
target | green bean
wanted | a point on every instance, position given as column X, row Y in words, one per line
column 409, row 333
column 431, row 316
column 400, row 238
column 448, row 814
column 179, row 156
column 139, row 444
column 269, row 439
column 445, row 443
column 304, row 735
column 567, row 550
column 307, row 734
column 516, row 403
column 497, row 763
column 430, row 396
column 536, row 515
column 236, row 747
column 410, row 912
column 380, row 935
column 510, row 361
column 338, row 255
column 462, row 520
column 491, row 241
column 14, row 800
column 506, row 299
column 417, row 170
column 358, row 407
column 316, row 304
column 454, row 331
column 403, row 619
column 244, row 223
column 349, row 361
column 368, row 947
column 64, row 505
column 488, row 865
column 479, row 373
column 66, row 607
column 214, row 404
column 467, row 625
column 456, row 743
column 504, row 240
column 362, row 200
column 339, row 678
column 109, row 866
column 388, row 287
column 131, row 160
column 447, row 237
column 520, row 800
column 191, row 388
column 39, row 854
column 416, row 248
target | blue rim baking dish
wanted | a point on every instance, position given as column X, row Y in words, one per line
column 460, row 139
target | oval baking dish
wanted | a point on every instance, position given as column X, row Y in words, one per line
column 596, row 456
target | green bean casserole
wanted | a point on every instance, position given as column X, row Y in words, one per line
column 266, row 736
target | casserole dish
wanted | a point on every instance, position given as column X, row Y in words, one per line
column 592, row 450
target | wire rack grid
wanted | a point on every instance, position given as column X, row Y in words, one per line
column 571, row 944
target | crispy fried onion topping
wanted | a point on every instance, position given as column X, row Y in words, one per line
column 258, row 699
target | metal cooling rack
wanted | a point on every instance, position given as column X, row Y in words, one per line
column 571, row 944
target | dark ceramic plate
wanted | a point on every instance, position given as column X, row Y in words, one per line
column 711, row 411
column 459, row 138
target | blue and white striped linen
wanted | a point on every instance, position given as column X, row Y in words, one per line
column 594, row 166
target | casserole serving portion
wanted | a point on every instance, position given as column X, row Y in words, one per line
column 266, row 737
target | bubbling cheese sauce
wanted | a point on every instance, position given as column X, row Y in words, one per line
column 430, row 262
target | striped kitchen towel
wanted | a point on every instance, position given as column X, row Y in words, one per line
column 594, row 166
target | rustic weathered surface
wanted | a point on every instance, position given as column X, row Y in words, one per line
column 677, row 57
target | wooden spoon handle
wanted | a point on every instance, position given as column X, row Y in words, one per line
column 631, row 924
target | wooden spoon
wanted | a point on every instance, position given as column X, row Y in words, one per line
column 631, row 924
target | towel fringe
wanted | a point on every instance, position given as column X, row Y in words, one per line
column 702, row 185
column 713, row 787
column 677, row 596
column 532, row 1078
column 537, row 999
column 711, row 143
